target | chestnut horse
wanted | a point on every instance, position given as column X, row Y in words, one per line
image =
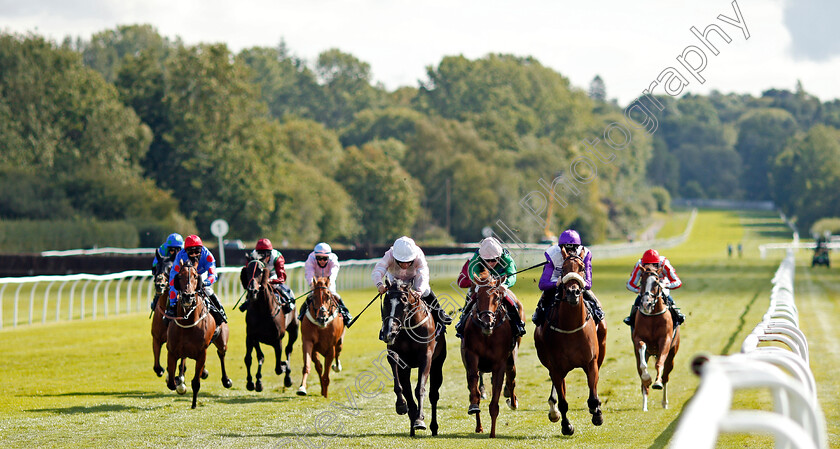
column 488, row 346
column 413, row 341
column 192, row 331
column 322, row 332
column 266, row 323
column 161, row 281
column 654, row 334
column 569, row 339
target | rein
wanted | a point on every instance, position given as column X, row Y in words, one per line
column 195, row 323
column 573, row 276
column 333, row 304
column 414, row 307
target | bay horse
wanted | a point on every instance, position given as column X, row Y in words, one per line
column 488, row 346
column 413, row 341
column 192, row 331
column 569, row 339
column 266, row 323
column 322, row 332
column 654, row 334
column 161, row 282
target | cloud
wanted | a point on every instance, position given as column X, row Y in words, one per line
column 812, row 25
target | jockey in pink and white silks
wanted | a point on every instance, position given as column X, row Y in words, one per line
column 569, row 242
column 323, row 262
column 668, row 279
column 405, row 261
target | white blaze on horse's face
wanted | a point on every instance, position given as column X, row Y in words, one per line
column 648, row 298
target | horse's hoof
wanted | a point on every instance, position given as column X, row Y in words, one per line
column 205, row 373
column 598, row 419
column 301, row 391
column 249, row 386
column 181, row 389
column 473, row 409
column 512, row 403
column 158, row 371
column 337, row 366
column 171, row 386
column 402, row 408
column 418, row 425
column 567, row 429
column 553, row 416
column 287, row 382
column 657, row 385
column 227, row 383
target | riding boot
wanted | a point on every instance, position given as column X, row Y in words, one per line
column 676, row 316
column 459, row 328
column 345, row 312
column 597, row 310
column 287, row 298
column 539, row 314
column 631, row 318
column 154, row 302
column 218, row 305
column 515, row 320
column 170, row 311
column 244, row 305
column 304, row 308
column 439, row 314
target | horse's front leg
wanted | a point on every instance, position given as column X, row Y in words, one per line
column 664, row 347
column 594, row 402
column 221, row 350
column 559, row 380
column 401, row 406
column 196, row 380
column 260, row 359
column 411, row 406
column 420, row 390
column 510, row 382
column 497, row 380
column 171, row 364
column 325, row 375
column 306, row 347
column 640, row 351
column 249, row 347
column 474, row 379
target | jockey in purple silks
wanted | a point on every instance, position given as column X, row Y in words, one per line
column 568, row 245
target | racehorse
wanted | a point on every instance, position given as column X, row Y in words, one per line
column 192, row 331
column 488, row 346
column 654, row 334
column 322, row 332
column 570, row 339
column 413, row 341
column 266, row 323
column 161, row 281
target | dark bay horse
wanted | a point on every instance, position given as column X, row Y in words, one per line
column 413, row 342
column 161, row 281
column 654, row 334
column 322, row 332
column 570, row 339
column 488, row 346
column 266, row 323
column 192, row 331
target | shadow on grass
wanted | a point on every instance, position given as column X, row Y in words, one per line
column 665, row 436
column 741, row 323
column 420, row 435
column 81, row 409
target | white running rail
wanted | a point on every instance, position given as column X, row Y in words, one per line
column 797, row 420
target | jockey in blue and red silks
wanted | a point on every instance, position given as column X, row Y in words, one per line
column 568, row 245
column 165, row 254
column 667, row 278
column 205, row 265
column 323, row 262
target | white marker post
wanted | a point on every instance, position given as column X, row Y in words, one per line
column 219, row 228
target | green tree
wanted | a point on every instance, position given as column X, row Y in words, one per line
column 105, row 50
column 347, row 89
column 762, row 135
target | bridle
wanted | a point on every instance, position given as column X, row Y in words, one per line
column 323, row 315
column 253, row 292
column 651, row 277
column 189, row 300
column 572, row 297
column 402, row 294
column 487, row 319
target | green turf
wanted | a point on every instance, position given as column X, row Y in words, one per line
column 90, row 383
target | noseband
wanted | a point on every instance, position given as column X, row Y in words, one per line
column 486, row 319
column 644, row 306
column 189, row 300
column 409, row 309
column 322, row 317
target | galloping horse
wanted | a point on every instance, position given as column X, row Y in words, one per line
column 569, row 339
column 266, row 323
column 161, row 281
column 488, row 346
column 191, row 333
column 413, row 342
column 654, row 334
column 322, row 332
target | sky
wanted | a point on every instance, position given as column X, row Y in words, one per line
column 628, row 44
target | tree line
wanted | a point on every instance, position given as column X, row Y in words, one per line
column 132, row 126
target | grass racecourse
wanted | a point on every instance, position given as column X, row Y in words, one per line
column 90, row 383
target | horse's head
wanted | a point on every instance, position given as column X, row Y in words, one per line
column 254, row 277
column 399, row 300
column 573, row 280
column 488, row 297
column 162, row 276
column 187, row 280
column 322, row 300
column 651, row 289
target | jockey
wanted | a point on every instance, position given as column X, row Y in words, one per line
column 166, row 253
column 322, row 262
column 205, row 266
column 568, row 245
column 405, row 261
column 276, row 265
column 668, row 279
column 492, row 257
